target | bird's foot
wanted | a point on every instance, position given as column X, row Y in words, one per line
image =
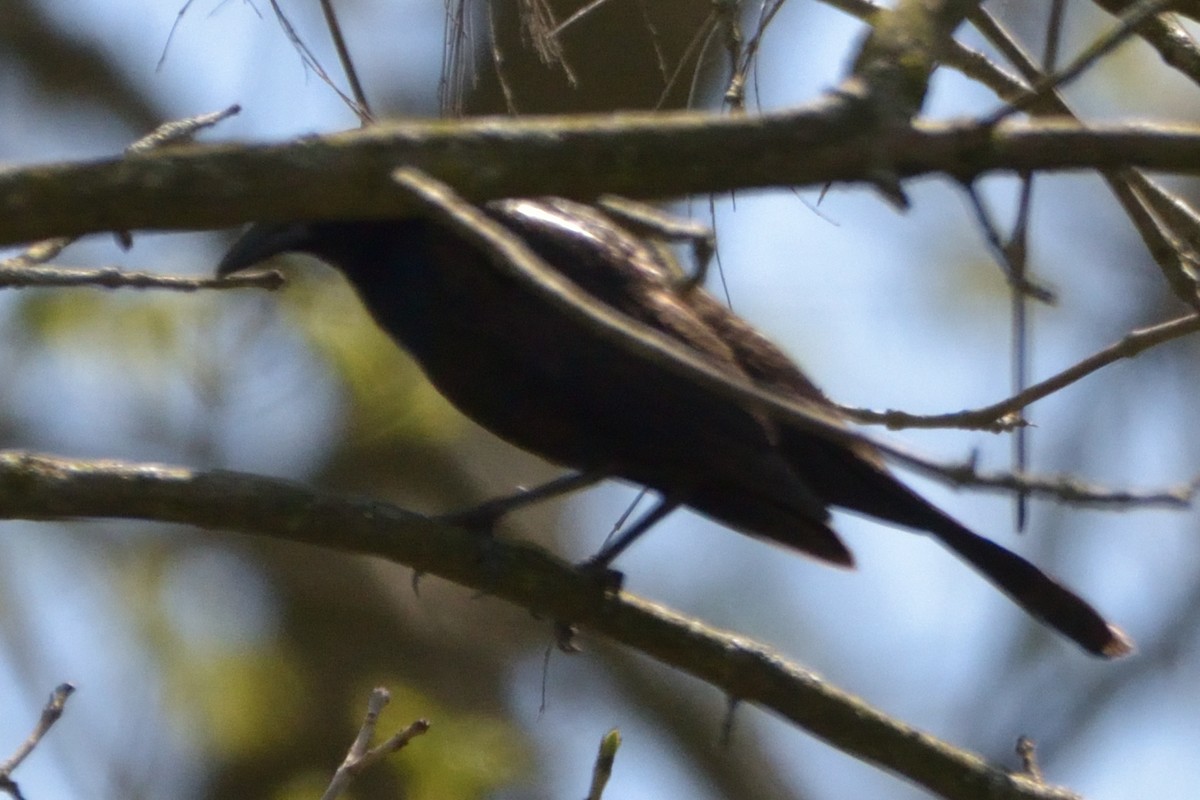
column 478, row 519
column 597, row 568
column 565, row 634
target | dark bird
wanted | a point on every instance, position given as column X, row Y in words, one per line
column 549, row 384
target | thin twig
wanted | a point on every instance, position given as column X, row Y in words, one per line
column 1174, row 43
column 1126, row 27
column 1016, row 256
column 575, row 17
column 1148, row 206
column 24, row 277
column 602, row 770
column 735, row 94
column 1180, row 217
column 1001, row 416
column 457, row 58
column 181, row 131
column 695, row 45
column 309, row 59
column 727, row 19
column 51, row 713
column 1069, row 489
column 538, row 27
column 361, row 755
column 1054, row 26
column 360, row 106
column 660, row 58
column 1027, row 751
column 174, row 132
column 498, row 62
column 1014, row 274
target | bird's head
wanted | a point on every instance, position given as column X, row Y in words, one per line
column 266, row 239
column 377, row 256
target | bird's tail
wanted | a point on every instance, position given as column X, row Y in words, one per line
column 856, row 482
column 1035, row 591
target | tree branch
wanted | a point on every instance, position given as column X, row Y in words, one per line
column 347, row 175
column 17, row 276
column 51, row 713
column 39, row 487
column 1005, row 414
column 361, row 755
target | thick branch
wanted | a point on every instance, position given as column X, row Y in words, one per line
column 41, row 487
column 347, row 175
column 904, row 47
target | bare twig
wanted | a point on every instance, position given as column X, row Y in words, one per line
column 1016, row 256
column 1171, row 40
column 498, row 62
column 1174, row 44
column 1027, row 751
column 174, row 132
column 728, row 20
column 1126, row 27
column 179, row 15
column 360, row 106
column 582, row 12
column 735, row 93
column 1001, row 416
column 1014, row 271
column 1069, row 489
column 37, row 253
column 181, row 131
column 1179, row 216
column 602, row 770
column 23, row 277
column 1054, row 26
column 660, row 58
column 1165, row 227
column 361, row 755
column 695, row 48
column 50, row 715
column 312, row 62
column 458, row 57
column 541, row 31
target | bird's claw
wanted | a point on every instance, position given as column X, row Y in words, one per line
column 479, row 519
column 608, row 579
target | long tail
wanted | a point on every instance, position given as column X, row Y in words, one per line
column 846, row 479
column 1035, row 591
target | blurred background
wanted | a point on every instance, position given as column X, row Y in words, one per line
column 216, row 665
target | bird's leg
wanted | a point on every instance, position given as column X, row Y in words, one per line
column 648, row 220
column 600, row 561
column 610, row 580
column 484, row 515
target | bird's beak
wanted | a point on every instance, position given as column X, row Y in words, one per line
column 263, row 240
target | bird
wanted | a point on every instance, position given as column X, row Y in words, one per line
column 551, row 385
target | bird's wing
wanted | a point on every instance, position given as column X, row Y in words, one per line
column 761, row 493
